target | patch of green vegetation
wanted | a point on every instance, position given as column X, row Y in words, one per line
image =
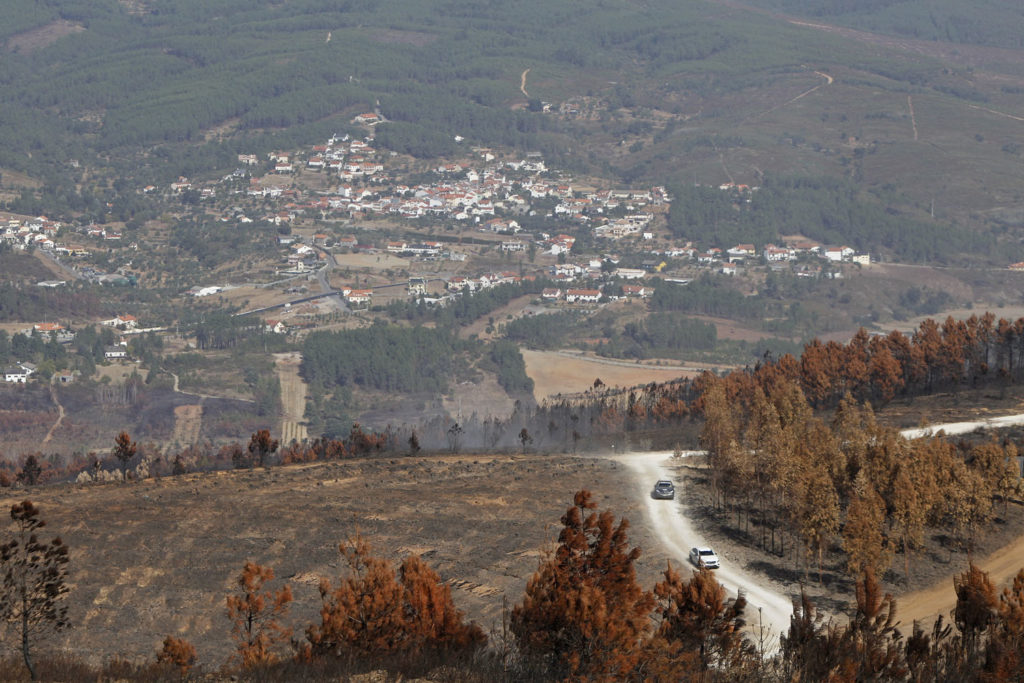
column 829, row 210
column 980, row 22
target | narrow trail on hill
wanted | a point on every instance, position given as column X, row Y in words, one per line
column 913, row 119
column 522, row 83
column 188, row 425
column 60, row 413
column 828, row 81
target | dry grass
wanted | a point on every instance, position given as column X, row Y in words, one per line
column 554, row 373
column 159, row 557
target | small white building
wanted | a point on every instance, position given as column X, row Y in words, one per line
column 115, row 353
column 16, row 375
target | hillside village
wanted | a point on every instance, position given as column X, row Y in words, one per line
column 345, row 196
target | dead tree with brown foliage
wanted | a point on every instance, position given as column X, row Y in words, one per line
column 976, row 612
column 177, row 652
column 432, row 622
column 584, row 615
column 375, row 611
column 699, row 622
column 261, row 446
column 1004, row 655
column 124, row 450
column 256, row 616
column 33, row 581
column 870, row 647
column 809, row 647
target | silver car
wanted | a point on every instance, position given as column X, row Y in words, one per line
column 664, row 490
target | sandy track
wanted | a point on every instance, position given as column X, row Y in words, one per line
column 677, row 534
column 60, row 414
column 925, row 605
column 293, row 397
column 913, row 119
column 669, row 523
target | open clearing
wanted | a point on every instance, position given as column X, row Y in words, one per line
column 555, row 373
column 293, row 397
column 162, row 555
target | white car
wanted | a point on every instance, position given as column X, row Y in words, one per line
column 704, row 558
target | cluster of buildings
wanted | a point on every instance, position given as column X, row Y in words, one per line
column 462, row 192
column 38, row 232
column 19, row 373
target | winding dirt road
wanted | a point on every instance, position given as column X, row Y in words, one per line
column 669, row 522
column 677, row 534
column 60, row 412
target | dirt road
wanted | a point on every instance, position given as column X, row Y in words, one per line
column 768, row 606
column 293, row 397
column 675, row 531
column 1002, row 565
column 60, row 413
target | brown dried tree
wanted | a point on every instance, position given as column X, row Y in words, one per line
column 976, row 610
column 261, row 445
column 376, row 611
column 124, row 450
column 584, row 615
column 177, row 652
column 1004, row 657
column 432, row 621
column 870, row 647
column 697, row 618
column 256, row 616
column 864, row 538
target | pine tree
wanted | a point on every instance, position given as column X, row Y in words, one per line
column 864, row 538
column 34, row 581
column 432, row 621
column 376, row 611
column 363, row 615
column 177, row 652
column 870, row 645
column 696, row 617
column 261, row 445
column 976, row 609
column 584, row 613
column 256, row 616
column 1004, row 656
column 124, row 450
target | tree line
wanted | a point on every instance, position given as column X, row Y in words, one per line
column 803, row 483
column 953, row 355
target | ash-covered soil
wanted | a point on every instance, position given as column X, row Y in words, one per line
column 159, row 557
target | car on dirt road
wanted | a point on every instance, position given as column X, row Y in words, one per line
column 704, row 558
column 664, row 490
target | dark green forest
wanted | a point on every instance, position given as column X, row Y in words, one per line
column 980, row 22
column 829, row 210
column 116, row 78
column 384, row 357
